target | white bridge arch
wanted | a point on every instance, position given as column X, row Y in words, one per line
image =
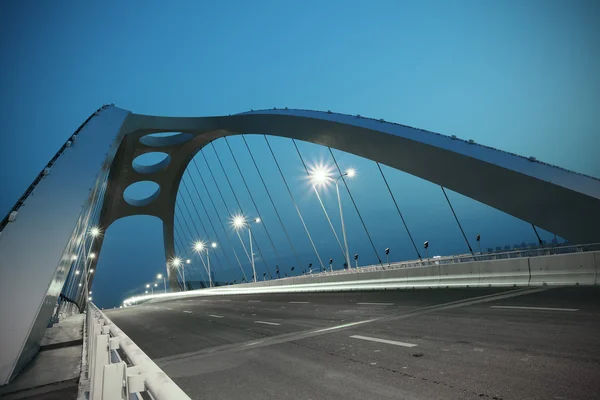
column 555, row 199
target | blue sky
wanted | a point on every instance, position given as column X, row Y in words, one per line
column 519, row 76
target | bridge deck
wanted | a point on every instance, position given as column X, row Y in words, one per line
column 459, row 343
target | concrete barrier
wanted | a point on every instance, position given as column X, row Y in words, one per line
column 597, row 262
column 507, row 272
column 563, row 269
column 460, row 274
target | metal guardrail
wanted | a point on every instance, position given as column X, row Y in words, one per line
column 117, row 369
column 536, row 252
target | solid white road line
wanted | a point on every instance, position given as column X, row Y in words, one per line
column 169, row 309
column 266, row 323
column 376, row 304
column 186, row 311
column 298, row 302
column 537, row 308
column 215, row 316
column 253, row 301
column 372, row 339
column 343, row 326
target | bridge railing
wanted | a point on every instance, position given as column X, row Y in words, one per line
column 535, row 252
column 117, row 369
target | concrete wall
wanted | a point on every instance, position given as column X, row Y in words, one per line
column 564, row 269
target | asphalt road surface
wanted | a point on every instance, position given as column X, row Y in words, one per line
column 527, row 343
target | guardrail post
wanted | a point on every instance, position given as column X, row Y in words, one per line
column 100, row 358
column 114, row 385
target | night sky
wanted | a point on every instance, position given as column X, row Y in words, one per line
column 518, row 76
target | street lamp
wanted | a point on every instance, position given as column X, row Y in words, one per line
column 177, row 263
column 239, row 222
column 199, row 247
column 426, row 246
column 148, row 286
column 387, row 255
column 159, row 277
column 321, row 176
column 356, row 259
column 479, row 242
column 331, row 264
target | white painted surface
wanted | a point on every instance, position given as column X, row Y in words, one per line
column 376, row 304
column 33, row 279
column 536, row 308
column 299, row 302
column 266, row 323
column 386, row 341
column 215, row 316
column 186, row 311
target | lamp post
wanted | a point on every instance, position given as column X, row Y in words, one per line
column 188, row 262
column 387, row 255
column 479, row 242
column 239, row 221
column 321, row 176
column 159, row 277
column 331, row 264
column 426, row 246
column 199, row 247
column 94, row 233
column 177, row 263
column 151, row 287
column 356, row 259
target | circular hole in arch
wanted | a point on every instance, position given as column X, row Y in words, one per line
column 149, row 163
column 165, row 139
column 141, row 193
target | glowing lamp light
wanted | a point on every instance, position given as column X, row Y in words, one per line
column 213, row 245
column 95, row 231
column 199, row 246
column 238, row 221
column 159, row 276
column 351, row 172
column 92, row 255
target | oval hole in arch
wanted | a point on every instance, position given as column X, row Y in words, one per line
column 149, row 163
column 141, row 193
column 163, row 139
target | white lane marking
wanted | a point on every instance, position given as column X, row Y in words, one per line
column 537, row 308
column 343, row 326
column 376, row 304
column 169, row 309
column 253, row 301
column 253, row 343
column 186, row 311
column 266, row 323
column 372, row 339
column 298, row 302
column 215, row 316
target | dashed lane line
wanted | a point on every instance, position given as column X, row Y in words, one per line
column 372, row 339
column 266, row 323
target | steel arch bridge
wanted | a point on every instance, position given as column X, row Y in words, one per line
column 93, row 169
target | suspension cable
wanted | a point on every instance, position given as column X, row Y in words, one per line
column 222, row 199
column 240, row 207
column 398, row 208
column 216, row 211
column 537, row 235
column 199, row 218
column 209, row 218
column 254, row 202
column 295, row 205
column 355, row 206
column 457, row 221
column 272, row 203
column 319, row 198
column 187, row 256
